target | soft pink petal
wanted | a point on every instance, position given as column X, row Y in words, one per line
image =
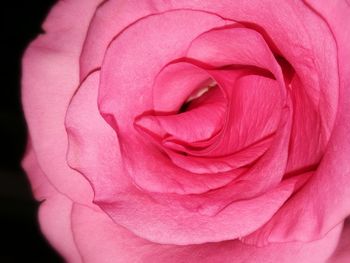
column 93, row 144
column 55, row 222
column 236, row 46
column 111, row 18
column 342, row 253
column 164, row 219
column 101, row 240
column 50, row 77
column 39, row 182
column 54, row 211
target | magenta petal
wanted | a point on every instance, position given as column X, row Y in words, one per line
column 50, row 67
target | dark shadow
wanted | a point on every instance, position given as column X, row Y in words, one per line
column 21, row 239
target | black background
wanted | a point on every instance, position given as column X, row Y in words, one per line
column 20, row 237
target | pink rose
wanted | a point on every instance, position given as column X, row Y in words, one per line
column 192, row 131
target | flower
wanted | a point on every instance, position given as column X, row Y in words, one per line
column 191, row 131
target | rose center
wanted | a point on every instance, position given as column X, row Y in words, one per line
column 229, row 113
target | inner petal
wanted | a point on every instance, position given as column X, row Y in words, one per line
column 200, row 122
column 251, row 121
column 178, row 83
column 254, row 113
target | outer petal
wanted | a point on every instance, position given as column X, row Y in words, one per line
column 54, row 211
column 50, row 77
column 41, row 187
column 111, row 18
column 342, row 253
column 55, row 222
column 101, row 240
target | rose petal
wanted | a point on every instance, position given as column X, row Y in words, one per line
column 227, row 163
column 41, row 187
column 112, row 17
column 203, row 120
column 307, row 141
column 228, row 45
column 254, row 112
column 50, row 67
column 55, row 223
column 92, row 141
column 164, row 219
column 101, row 240
column 175, row 83
column 342, row 253
column 166, row 42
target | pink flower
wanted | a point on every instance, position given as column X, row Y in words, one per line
column 192, row 131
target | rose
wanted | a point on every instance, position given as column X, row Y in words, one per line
column 188, row 131
column 127, row 88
